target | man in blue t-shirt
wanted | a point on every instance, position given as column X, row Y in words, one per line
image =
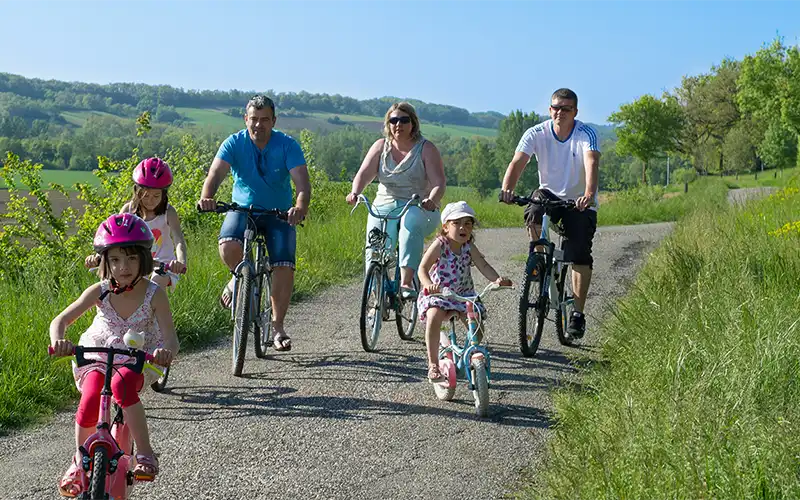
column 263, row 161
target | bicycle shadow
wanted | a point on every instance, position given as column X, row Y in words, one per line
column 209, row 403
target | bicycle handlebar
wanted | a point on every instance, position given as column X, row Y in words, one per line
column 223, row 207
column 524, row 200
column 143, row 358
column 362, row 199
column 447, row 293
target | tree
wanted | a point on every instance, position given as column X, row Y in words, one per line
column 481, row 173
column 648, row 127
column 508, row 135
column 740, row 146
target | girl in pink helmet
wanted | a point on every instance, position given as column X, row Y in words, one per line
column 126, row 300
column 151, row 180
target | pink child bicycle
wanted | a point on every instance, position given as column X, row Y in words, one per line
column 107, row 455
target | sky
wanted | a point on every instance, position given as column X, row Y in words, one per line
column 479, row 55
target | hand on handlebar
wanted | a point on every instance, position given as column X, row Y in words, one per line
column 351, row 198
column 295, row 215
column 162, row 357
column 428, row 204
column 92, row 261
column 176, row 266
column 207, row 204
column 583, row 202
column 63, row 347
column 432, row 289
column 506, row 195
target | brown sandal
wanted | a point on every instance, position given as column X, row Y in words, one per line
column 146, row 468
column 434, row 374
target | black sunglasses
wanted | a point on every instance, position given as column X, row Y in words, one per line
column 399, row 119
column 562, row 108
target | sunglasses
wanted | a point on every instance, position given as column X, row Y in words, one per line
column 566, row 109
column 399, row 119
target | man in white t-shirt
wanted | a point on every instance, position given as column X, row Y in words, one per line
column 568, row 156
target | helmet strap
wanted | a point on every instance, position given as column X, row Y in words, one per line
column 116, row 289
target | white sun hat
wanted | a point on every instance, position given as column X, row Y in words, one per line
column 457, row 210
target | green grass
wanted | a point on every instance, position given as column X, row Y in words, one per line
column 78, row 118
column 427, row 128
column 772, row 177
column 66, row 178
column 697, row 394
column 214, row 118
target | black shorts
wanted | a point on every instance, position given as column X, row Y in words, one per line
column 579, row 228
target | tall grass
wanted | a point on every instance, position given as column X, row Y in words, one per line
column 698, row 391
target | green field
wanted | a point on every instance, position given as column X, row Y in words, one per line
column 78, row 118
column 65, row 177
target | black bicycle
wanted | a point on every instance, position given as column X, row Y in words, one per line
column 252, row 287
column 547, row 283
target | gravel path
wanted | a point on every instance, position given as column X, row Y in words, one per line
column 328, row 420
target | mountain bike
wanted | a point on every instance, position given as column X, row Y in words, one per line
column 381, row 294
column 547, row 283
column 455, row 358
column 252, row 287
column 107, row 456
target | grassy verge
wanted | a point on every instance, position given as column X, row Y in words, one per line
column 698, row 391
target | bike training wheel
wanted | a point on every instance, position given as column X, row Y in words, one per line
column 97, row 483
column 532, row 309
column 405, row 315
column 446, row 389
column 262, row 330
column 565, row 298
column 371, row 307
column 242, row 322
column 481, row 382
column 161, row 384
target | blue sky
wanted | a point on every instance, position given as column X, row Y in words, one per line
column 480, row 55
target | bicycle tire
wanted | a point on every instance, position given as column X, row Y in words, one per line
column 261, row 336
column 241, row 325
column 161, row 384
column 406, row 329
column 533, row 287
column 369, row 332
column 480, row 381
column 564, row 287
column 97, row 482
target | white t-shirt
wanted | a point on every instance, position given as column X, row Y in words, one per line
column 561, row 168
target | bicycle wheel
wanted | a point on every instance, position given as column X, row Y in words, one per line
column 532, row 309
column 262, row 327
column 481, row 383
column 161, row 384
column 97, row 483
column 241, row 324
column 565, row 299
column 371, row 307
column 406, row 315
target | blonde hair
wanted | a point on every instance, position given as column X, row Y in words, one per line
column 136, row 201
column 407, row 108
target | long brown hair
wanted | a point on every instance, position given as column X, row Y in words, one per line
column 408, row 109
column 136, row 201
column 145, row 261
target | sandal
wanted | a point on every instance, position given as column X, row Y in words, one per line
column 282, row 342
column 74, row 481
column 434, row 375
column 407, row 293
column 227, row 293
column 146, row 468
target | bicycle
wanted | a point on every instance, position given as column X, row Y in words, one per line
column 547, row 286
column 107, row 455
column 162, row 269
column 454, row 358
column 252, row 287
column 377, row 283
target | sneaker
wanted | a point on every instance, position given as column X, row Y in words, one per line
column 577, row 324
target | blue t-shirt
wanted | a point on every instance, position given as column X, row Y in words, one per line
column 261, row 177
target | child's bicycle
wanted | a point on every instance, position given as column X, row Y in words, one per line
column 547, row 283
column 252, row 287
column 381, row 294
column 162, row 269
column 455, row 358
column 107, row 455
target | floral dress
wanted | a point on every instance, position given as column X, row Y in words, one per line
column 451, row 271
column 108, row 329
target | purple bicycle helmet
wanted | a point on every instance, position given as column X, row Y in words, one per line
column 153, row 173
column 122, row 230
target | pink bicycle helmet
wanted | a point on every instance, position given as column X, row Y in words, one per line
column 122, row 230
column 152, row 173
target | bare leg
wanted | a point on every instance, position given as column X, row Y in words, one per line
column 581, row 277
column 137, row 423
column 406, row 277
column 82, row 434
column 231, row 252
column 282, row 285
column 434, row 318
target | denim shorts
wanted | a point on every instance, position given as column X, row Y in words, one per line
column 281, row 237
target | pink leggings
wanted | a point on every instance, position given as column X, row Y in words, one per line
column 125, row 386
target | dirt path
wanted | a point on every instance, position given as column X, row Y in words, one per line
column 328, row 420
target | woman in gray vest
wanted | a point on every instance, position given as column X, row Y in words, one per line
column 405, row 164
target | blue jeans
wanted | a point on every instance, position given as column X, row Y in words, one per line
column 281, row 237
column 411, row 229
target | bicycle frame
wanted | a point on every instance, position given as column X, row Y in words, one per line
column 554, row 261
column 258, row 268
